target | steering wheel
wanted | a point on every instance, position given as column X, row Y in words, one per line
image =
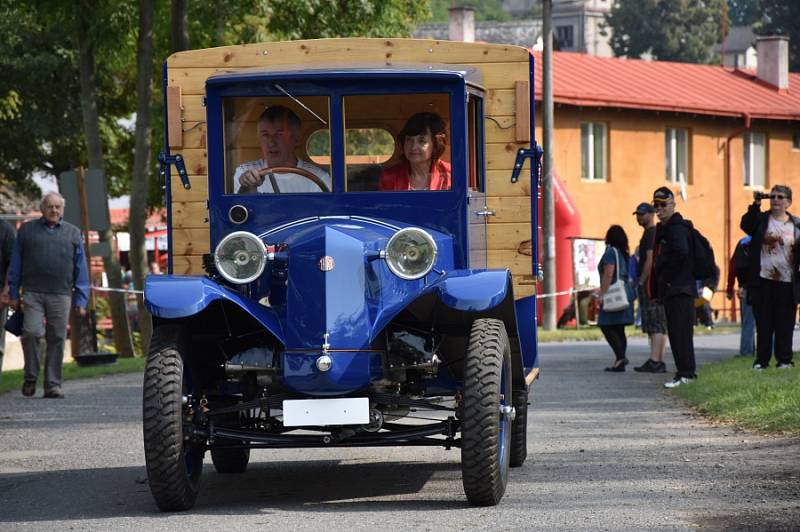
column 295, row 170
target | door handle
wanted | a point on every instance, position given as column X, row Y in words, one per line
column 485, row 212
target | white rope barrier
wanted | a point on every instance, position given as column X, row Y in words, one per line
column 126, row 290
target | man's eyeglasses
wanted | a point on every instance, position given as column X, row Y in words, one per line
column 660, row 205
column 778, row 196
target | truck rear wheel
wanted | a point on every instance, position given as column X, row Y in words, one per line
column 486, row 420
column 174, row 463
column 519, row 429
column 232, row 460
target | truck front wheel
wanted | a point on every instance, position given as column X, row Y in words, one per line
column 486, row 420
column 174, row 462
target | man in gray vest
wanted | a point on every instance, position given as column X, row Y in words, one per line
column 49, row 267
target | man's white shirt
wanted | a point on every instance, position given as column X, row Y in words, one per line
column 286, row 182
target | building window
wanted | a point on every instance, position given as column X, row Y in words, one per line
column 566, row 37
column 796, row 141
column 755, row 159
column 676, row 150
column 594, row 151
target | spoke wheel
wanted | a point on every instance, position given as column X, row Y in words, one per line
column 485, row 431
column 174, row 463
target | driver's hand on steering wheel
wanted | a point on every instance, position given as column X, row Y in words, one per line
column 250, row 180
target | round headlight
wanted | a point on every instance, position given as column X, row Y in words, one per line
column 240, row 257
column 411, row 253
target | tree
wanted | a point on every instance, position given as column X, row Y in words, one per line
column 670, row 30
column 94, row 145
column 782, row 17
column 744, row 12
column 315, row 19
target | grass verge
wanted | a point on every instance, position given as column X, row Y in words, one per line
column 731, row 391
column 12, row 380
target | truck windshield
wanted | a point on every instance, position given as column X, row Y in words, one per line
column 265, row 145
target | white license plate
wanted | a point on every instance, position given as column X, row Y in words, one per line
column 351, row 411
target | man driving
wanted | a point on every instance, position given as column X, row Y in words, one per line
column 278, row 133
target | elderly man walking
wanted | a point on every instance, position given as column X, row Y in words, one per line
column 48, row 275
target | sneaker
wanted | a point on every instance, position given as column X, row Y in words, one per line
column 29, row 388
column 651, row 366
column 54, row 393
column 759, row 367
column 677, row 381
column 785, row 365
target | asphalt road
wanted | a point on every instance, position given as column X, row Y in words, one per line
column 606, row 452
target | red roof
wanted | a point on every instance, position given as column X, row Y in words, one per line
column 580, row 79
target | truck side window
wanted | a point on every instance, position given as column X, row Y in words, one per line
column 377, row 159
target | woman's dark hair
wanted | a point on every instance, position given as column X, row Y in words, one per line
column 615, row 236
column 418, row 124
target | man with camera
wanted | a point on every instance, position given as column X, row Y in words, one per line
column 773, row 286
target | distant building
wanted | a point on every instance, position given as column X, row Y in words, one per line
column 520, row 32
column 577, row 26
column 739, row 48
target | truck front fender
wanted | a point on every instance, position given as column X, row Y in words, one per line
column 180, row 296
column 474, row 290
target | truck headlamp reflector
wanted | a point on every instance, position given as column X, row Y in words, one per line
column 240, row 257
column 410, row 253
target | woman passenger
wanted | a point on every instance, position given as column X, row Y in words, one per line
column 423, row 140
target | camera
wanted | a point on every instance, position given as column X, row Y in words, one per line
column 758, row 196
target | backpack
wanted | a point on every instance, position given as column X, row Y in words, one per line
column 741, row 260
column 704, row 267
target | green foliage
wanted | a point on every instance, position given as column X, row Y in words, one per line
column 782, row 17
column 484, row 10
column 730, row 390
column 314, row 19
column 671, row 30
column 743, row 12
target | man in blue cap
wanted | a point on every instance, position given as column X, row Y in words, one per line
column 654, row 321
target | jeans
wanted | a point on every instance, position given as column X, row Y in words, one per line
column 747, row 339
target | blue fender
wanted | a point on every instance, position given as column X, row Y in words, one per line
column 474, row 290
column 180, row 296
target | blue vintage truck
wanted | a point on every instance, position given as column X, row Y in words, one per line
column 316, row 297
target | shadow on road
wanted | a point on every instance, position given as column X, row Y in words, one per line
column 288, row 486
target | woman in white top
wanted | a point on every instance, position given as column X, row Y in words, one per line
column 773, row 281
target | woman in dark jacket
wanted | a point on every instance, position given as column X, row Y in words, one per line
column 773, row 285
column 612, row 324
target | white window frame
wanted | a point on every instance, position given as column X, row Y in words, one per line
column 597, row 171
column 676, row 169
column 755, row 163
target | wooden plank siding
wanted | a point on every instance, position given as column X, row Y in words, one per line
column 501, row 68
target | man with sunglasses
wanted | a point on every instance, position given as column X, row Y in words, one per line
column 673, row 283
column 773, row 286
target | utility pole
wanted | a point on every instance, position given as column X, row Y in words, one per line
column 548, row 203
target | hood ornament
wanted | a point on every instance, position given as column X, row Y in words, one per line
column 327, row 263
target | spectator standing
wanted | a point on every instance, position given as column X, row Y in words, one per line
column 772, row 277
column 614, row 265
column 673, row 284
column 47, row 275
column 737, row 272
column 654, row 320
column 7, row 237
